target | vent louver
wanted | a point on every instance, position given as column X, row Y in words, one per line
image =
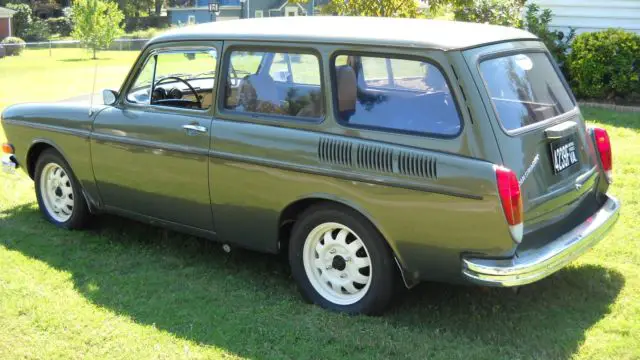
column 374, row 158
column 417, row 165
column 381, row 159
column 336, row 152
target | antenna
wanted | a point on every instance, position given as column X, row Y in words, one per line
column 93, row 89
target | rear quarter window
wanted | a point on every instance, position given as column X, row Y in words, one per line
column 525, row 89
column 395, row 95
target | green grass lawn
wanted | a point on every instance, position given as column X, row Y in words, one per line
column 131, row 291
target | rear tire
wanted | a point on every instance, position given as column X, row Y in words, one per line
column 341, row 262
column 59, row 194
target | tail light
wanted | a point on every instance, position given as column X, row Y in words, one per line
column 8, row 149
column 601, row 138
column 511, row 199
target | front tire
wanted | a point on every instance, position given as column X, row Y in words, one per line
column 341, row 262
column 58, row 192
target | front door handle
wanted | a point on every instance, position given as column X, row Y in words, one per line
column 192, row 128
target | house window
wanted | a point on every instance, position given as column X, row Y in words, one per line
column 394, row 95
column 191, row 19
column 259, row 13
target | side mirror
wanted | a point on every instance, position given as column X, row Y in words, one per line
column 109, row 97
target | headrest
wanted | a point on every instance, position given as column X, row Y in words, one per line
column 347, row 88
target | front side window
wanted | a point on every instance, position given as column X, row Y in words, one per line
column 394, row 94
column 181, row 78
column 525, row 89
column 276, row 83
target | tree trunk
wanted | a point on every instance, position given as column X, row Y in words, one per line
column 159, row 7
column 94, row 54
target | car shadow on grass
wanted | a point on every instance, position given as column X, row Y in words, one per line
column 247, row 304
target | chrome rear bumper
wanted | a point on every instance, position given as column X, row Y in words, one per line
column 533, row 265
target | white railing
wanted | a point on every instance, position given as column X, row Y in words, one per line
column 117, row 45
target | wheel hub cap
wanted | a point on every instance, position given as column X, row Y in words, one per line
column 57, row 192
column 337, row 263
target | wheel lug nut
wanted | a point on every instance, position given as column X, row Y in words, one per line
column 332, row 251
column 347, row 259
column 343, row 275
column 328, row 267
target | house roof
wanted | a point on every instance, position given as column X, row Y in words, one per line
column 4, row 12
column 445, row 35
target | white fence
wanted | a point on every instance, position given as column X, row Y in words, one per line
column 117, row 45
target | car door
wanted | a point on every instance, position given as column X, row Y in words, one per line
column 150, row 150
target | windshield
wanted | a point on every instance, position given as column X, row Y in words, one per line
column 525, row 89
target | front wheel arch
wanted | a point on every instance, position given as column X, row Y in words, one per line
column 34, row 152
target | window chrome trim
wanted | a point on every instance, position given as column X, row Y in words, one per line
column 170, row 50
column 235, row 115
column 399, row 56
column 537, row 125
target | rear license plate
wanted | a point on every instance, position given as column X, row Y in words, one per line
column 563, row 154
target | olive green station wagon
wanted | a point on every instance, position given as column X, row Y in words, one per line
column 374, row 152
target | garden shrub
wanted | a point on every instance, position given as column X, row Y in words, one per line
column 605, row 64
column 60, row 25
column 21, row 19
column 13, row 45
column 496, row 12
column 37, row 31
column 536, row 21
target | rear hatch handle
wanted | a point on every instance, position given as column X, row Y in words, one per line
column 561, row 130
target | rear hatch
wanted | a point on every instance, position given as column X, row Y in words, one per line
column 542, row 137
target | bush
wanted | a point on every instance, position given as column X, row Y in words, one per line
column 21, row 19
column 537, row 22
column 497, row 12
column 13, row 45
column 605, row 64
column 59, row 25
column 37, row 31
column 142, row 34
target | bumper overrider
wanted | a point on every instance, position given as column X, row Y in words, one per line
column 9, row 164
column 530, row 266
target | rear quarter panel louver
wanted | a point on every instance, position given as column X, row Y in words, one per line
column 376, row 158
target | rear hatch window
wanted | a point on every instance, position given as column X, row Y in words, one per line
column 525, row 89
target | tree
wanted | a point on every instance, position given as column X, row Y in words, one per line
column 386, row 8
column 96, row 23
column 21, row 19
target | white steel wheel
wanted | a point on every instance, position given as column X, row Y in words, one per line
column 56, row 190
column 337, row 263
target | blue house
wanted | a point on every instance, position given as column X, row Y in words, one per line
column 198, row 11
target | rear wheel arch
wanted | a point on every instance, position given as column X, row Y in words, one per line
column 290, row 214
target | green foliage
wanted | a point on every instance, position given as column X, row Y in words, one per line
column 60, row 25
column 21, row 19
column 96, row 23
column 142, row 34
column 13, row 45
column 497, row 12
column 537, row 22
column 386, row 8
column 605, row 64
column 37, row 31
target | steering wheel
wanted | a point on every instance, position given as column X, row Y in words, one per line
column 179, row 101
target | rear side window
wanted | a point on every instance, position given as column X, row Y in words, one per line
column 525, row 89
column 275, row 83
column 393, row 94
